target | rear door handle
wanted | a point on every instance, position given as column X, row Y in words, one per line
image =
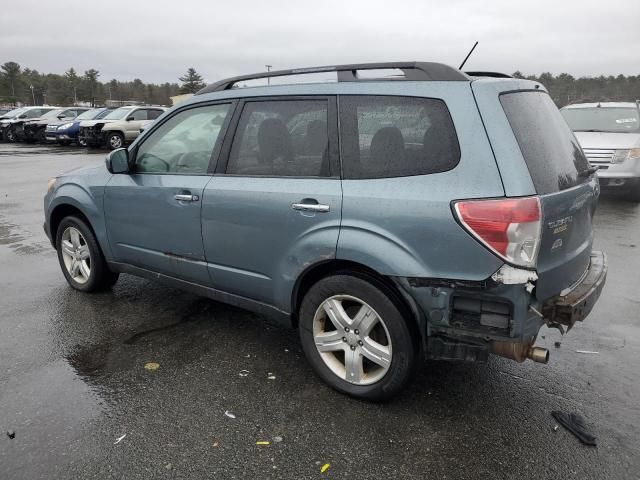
column 310, row 207
column 184, row 197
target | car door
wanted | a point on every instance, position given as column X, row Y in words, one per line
column 274, row 206
column 153, row 213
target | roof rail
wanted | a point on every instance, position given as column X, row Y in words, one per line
column 348, row 73
column 488, row 74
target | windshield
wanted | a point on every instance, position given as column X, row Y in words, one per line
column 118, row 113
column 603, row 119
column 52, row 114
column 89, row 114
column 14, row 113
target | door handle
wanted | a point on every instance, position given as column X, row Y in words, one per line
column 184, row 197
column 310, row 207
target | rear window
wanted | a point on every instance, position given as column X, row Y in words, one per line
column 386, row 136
column 552, row 153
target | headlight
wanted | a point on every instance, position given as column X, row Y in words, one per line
column 65, row 126
column 51, row 184
column 626, row 154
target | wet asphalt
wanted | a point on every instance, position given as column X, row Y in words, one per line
column 73, row 378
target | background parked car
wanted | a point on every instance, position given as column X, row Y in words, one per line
column 118, row 134
column 66, row 132
column 609, row 133
column 92, row 132
column 12, row 127
column 34, row 130
column 4, row 110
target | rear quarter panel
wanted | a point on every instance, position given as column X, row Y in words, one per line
column 405, row 226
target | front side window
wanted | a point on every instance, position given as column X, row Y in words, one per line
column 138, row 115
column 184, row 143
column 281, row 138
column 386, row 136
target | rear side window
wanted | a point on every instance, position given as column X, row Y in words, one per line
column 552, row 153
column 153, row 114
column 281, row 138
column 386, row 136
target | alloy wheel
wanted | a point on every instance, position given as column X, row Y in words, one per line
column 352, row 339
column 115, row 141
column 76, row 255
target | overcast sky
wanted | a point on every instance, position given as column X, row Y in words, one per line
column 157, row 40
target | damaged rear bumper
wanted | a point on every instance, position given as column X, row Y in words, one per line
column 462, row 320
column 574, row 306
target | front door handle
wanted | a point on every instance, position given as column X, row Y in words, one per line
column 310, row 207
column 184, row 197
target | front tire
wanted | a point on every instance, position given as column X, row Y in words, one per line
column 115, row 140
column 10, row 135
column 356, row 338
column 80, row 257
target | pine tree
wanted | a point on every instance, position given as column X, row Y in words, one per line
column 191, row 82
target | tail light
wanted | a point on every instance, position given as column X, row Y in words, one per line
column 509, row 227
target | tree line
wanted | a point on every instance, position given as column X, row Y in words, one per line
column 29, row 87
column 566, row 89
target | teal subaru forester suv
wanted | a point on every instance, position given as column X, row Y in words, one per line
column 429, row 213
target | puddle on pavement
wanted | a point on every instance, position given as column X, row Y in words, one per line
column 11, row 236
column 48, row 402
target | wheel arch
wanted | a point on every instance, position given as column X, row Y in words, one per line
column 320, row 270
column 59, row 213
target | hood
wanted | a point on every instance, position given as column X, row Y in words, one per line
column 91, row 123
column 83, row 171
column 608, row 140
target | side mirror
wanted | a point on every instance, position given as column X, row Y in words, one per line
column 118, row 161
column 61, row 117
column 24, row 115
column 129, row 119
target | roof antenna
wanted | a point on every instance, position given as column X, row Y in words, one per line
column 468, row 55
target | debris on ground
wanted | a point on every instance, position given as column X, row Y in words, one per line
column 119, row 439
column 11, row 434
column 576, row 425
column 151, row 366
column 277, row 439
column 244, row 373
column 215, row 444
column 588, row 352
column 555, row 428
column 168, row 466
column 271, row 377
column 557, row 344
column 262, row 442
column 229, row 414
column 324, row 467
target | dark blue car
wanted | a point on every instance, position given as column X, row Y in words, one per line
column 67, row 132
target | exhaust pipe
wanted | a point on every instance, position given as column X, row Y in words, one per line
column 520, row 351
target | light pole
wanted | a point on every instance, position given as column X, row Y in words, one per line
column 268, row 70
column 75, row 96
column 33, row 95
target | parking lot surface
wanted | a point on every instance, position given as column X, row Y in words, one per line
column 73, row 379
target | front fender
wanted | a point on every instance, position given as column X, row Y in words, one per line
column 89, row 201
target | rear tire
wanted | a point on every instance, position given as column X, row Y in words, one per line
column 356, row 338
column 115, row 140
column 80, row 257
